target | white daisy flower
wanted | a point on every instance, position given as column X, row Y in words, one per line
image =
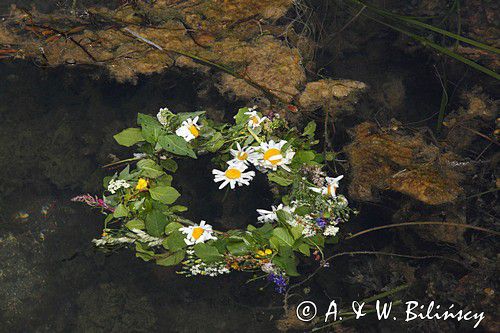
column 233, row 175
column 330, row 188
column 189, row 129
column 198, row 233
column 245, row 155
column 255, row 120
column 271, row 155
column 331, row 230
column 270, row 215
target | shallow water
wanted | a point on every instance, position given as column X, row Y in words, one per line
column 56, row 128
column 54, row 140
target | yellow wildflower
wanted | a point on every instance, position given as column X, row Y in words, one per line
column 264, row 253
column 142, row 184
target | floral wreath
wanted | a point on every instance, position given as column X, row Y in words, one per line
column 139, row 201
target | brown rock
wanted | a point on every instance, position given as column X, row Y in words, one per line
column 389, row 160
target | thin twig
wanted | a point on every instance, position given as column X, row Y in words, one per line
column 406, row 224
column 298, row 284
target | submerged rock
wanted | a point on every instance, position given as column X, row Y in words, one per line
column 386, row 159
column 251, row 54
column 146, row 38
column 334, row 95
column 466, row 124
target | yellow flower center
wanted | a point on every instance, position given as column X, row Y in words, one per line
column 233, row 173
column 194, row 130
column 330, row 189
column 271, row 153
column 255, row 120
column 142, row 184
column 242, row 156
column 197, row 232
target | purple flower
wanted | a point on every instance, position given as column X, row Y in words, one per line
column 93, row 202
column 321, row 222
column 280, row 282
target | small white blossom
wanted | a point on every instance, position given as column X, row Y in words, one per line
column 269, row 268
column 116, row 184
column 308, row 231
column 140, row 155
column 162, row 116
column 342, row 201
column 209, row 269
column 331, row 230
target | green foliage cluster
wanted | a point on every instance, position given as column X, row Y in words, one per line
column 140, row 201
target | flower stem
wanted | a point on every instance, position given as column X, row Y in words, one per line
column 254, row 135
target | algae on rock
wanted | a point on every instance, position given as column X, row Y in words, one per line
column 386, row 159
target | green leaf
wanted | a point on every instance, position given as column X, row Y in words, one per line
column 283, row 216
column 283, row 236
column 316, row 240
column 129, row 137
column 125, row 173
column 297, row 232
column 280, row 178
column 135, row 224
column 164, row 180
column 274, row 242
column 310, row 129
column 155, row 223
column 304, row 156
column 172, row 259
column 180, row 117
column 207, row 253
column 302, row 210
column 238, row 248
column 178, row 209
column 175, row 241
column 149, row 168
column 169, row 164
column 176, row 145
column 304, row 249
column 143, row 252
column 164, row 194
column 215, row 142
column 172, row 226
column 286, row 263
column 120, row 211
column 151, row 127
column 241, row 117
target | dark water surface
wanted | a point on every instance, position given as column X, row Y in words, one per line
column 56, row 128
